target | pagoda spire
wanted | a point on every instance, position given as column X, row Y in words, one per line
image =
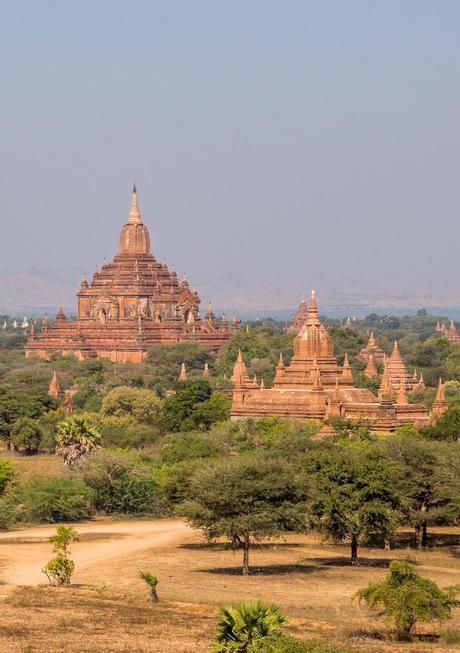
column 401, row 398
column 440, row 394
column 183, row 373
column 54, row 389
column 317, row 383
column 335, row 403
column 347, row 374
column 440, row 404
column 134, row 213
column 386, row 389
column 371, row 370
column 280, row 368
column 240, row 373
column 313, row 317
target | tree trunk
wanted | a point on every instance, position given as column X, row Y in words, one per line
column 154, row 596
column 246, row 555
column 354, row 550
column 421, row 535
column 424, row 534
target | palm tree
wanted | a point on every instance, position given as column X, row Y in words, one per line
column 76, row 437
column 239, row 626
column 152, row 582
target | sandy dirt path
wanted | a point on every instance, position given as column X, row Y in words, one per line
column 24, row 552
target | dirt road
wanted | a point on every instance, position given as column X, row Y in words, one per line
column 24, row 552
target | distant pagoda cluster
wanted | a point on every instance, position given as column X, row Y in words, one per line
column 15, row 324
column 315, row 386
column 450, row 333
column 393, row 365
column 132, row 304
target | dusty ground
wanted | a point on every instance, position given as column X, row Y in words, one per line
column 108, row 610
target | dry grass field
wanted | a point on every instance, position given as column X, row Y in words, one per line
column 107, row 610
column 44, row 465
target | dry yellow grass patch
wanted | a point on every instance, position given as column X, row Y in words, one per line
column 48, row 620
column 42, row 465
column 311, row 581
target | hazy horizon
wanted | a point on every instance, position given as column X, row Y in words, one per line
column 304, row 144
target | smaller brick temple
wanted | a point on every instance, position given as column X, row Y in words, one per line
column 131, row 305
column 315, row 386
column 372, row 349
column 299, row 318
column 450, row 333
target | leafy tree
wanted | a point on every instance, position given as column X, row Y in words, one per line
column 50, row 500
column 354, row 494
column 430, row 485
column 14, row 405
column 408, row 598
column 187, row 446
column 141, row 404
column 177, row 410
column 238, row 627
column 121, row 482
column 173, row 481
column 26, row 435
column 59, row 570
column 447, row 427
column 245, row 498
column 7, row 474
column 163, row 363
column 75, row 437
column 261, row 349
column 152, row 582
column 213, row 410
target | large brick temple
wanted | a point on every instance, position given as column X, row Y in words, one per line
column 315, row 386
column 131, row 305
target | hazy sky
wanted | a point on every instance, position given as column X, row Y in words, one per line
column 280, row 138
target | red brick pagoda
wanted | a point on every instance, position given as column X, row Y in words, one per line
column 314, row 386
column 131, row 305
column 299, row 318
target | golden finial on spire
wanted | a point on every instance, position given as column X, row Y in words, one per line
column 134, row 213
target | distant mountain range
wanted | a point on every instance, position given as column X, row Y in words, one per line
column 35, row 290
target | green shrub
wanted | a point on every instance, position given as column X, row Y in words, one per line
column 121, row 482
column 59, row 570
column 141, row 404
column 187, row 446
column 53, row 500
column 6, row 474
column 240, row 626
column 408, row 598
column 152, row 583
column 26, row 435
column 286, row 644
column 7, row 512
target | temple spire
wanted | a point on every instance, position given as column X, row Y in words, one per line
column 401, row 398
column 347, row 374
column 313, row 317
column 54, row 389
column 440, row 404
column 183, row 373
column 134, row 213
column 371, row 370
